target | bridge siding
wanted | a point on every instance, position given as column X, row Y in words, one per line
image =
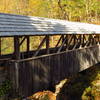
column 3, row 72
column 41, row 73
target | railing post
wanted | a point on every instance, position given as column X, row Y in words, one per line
column 17, row 57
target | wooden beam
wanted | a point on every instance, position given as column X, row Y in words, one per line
column 62, row 45
column 99, row 39
column 22, row 41
column 66, row 40
column 39, row 47
column 16, row 48
column 83, row 40
column 75, row 39
column 0, row 46
column 92, row 40
column 47, row 44
column 88, row 41
column 69, row 41
column 77, row 43
column 63, row 38
column 28, row 43
column 80, row 41
column 58, row 41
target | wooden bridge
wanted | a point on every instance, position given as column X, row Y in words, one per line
column 77, row 48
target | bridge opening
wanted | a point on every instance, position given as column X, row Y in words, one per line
column 32, row 46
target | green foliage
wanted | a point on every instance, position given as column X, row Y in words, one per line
column 5, row 87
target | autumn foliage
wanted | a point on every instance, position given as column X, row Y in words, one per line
column 45, row 95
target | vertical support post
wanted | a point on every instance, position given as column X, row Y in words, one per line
column 47, row 43
column 28, row 44
column 93, row 42
column 74, row 42
column 97, row 39
column 16, row 48
column 80, row 38
column 89, row 39
column 83, row 39
column 0, row 46
column 62, row 38
column 66, row 40
column 17, row 57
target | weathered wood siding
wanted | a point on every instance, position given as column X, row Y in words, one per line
column 40, row 73
column 3, row 73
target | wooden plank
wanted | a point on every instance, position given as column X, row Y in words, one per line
column 78, row 43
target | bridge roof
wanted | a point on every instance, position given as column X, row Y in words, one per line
column 17, row 25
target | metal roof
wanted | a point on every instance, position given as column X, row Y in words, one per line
column 12, row 25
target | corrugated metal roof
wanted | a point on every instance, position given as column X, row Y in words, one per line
column 11, row 25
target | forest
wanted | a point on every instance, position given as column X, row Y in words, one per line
column 72, row 10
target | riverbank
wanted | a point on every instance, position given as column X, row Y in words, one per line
column 83, row 86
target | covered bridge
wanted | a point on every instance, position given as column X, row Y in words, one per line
column 77, row 48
